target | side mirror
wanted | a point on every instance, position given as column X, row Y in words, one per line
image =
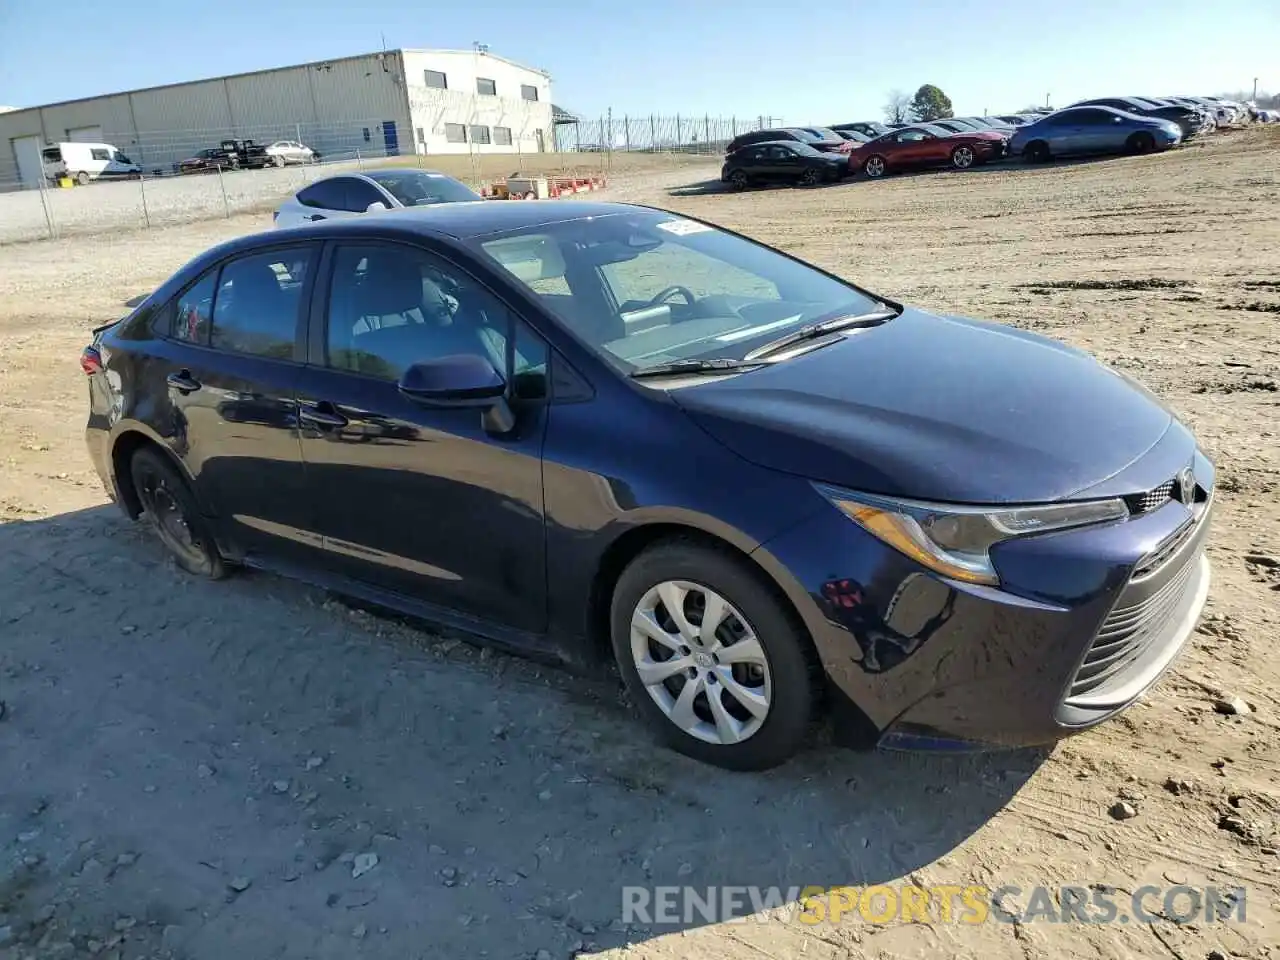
column 375, row 207
column 465, row 380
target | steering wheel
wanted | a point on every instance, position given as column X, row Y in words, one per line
column 664, row 295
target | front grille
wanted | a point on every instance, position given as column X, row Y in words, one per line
column 1157, row 558
column 1146, row 502
column 1130, row 628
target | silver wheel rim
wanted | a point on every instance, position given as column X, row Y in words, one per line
column 701, row 662
column 875, row 167
column 963, row 157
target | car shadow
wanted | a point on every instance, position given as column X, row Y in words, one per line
column 253, row 729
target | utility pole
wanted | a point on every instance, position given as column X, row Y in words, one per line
column 1255, row 88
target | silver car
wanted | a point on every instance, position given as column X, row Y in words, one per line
column 1081, row 130
column 351, row 194
column 290, row 151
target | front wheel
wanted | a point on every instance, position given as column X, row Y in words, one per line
column 170, row 509
column 739, row 180
column 278, row 160
column 811, row 177
column 1141, row 142
column 875, row 167
column 962, row 157
column 1037, row 151
column 714, row 662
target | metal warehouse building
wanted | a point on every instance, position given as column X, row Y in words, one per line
column 377, row 104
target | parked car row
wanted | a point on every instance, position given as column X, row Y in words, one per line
column 248, row 154
column 1130, row 124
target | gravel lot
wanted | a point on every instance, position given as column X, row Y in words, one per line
column 201, row 770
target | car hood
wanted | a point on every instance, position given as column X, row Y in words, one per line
column 936, row 408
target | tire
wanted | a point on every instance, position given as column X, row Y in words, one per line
column 1037, row 151
column 171, row 510
column 1141, row 142
column 963, row 157
column 235, row 163
column 738, row 180
column 811, row 177
column 875, row 167
column 277, row 160
column 82, row 178
column 779, row 674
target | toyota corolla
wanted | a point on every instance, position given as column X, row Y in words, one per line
column 592, row 432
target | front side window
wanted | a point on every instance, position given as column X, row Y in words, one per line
column 912, row 136
column 98, row 153
column 189, row 320
column 418, row 188
column 649, row 288
column 256, row 308
column 392, row 306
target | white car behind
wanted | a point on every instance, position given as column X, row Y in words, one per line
column 291, row 151
column 351, row 194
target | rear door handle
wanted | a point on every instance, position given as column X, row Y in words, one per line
column 183, row 382
column 325, row 419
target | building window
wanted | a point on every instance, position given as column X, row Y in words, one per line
column 366, row 134
column 502, row 136
column 422, row 135
column 486, row 87
column 455, row 133
column 528, row 91
column 480, row 134
column 434, row 78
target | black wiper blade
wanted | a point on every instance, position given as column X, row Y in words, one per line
column 719, row 365
column 815, row 330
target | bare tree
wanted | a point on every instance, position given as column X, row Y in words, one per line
column 898, row 108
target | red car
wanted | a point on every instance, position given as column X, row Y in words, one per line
column 926, row 145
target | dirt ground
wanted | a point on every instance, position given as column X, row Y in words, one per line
column 199, row 770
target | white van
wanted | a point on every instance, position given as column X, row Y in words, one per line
column 83, row 162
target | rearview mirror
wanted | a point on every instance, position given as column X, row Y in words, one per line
column 465, row 380
column 375, row 207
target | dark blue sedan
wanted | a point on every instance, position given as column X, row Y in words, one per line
column 1092, row 130
column 594, row 432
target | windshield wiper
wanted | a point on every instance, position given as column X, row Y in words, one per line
column 815, row 330
column 719, row 365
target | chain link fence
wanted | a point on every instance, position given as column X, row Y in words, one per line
column 162, row 195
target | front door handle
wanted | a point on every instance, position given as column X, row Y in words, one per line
column 324, row 419
column 183, row 382
column 316, row 216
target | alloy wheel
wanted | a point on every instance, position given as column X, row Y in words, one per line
column 963, row 157
column 810, row 177
column 875, row 167
column 701, row 662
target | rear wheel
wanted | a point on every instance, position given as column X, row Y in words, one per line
column 82, row 178
column 716, row 665
column 739, row 180
column 1141, row 142
column 1037, row 151
column 170, row 509
column 278, row 160
column 962, row 157
column 875, row 167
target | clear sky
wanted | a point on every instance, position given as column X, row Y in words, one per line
column 816, row 61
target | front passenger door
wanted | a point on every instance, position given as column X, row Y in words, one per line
column 431, row 502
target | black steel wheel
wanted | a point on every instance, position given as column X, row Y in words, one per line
column 171, row 510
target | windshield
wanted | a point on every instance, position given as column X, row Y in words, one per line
column 417, row 188
column 646, row 288
column 52, row 154
column 936, row 130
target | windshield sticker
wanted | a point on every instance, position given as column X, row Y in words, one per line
column 762, row 328
column 682, row 228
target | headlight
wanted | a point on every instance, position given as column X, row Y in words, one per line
column 955, row 541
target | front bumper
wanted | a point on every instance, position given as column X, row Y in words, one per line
column 1077, row 633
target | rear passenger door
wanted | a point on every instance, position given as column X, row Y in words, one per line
column 228, row 366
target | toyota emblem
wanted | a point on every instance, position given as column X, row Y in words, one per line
column 1186, row 486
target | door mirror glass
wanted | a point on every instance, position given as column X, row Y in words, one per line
column 463, row 380
column 375, row 207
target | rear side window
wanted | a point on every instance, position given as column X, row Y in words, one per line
column 324, row 195
column 99, row 154
column 189, row 320
column 256, row 308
